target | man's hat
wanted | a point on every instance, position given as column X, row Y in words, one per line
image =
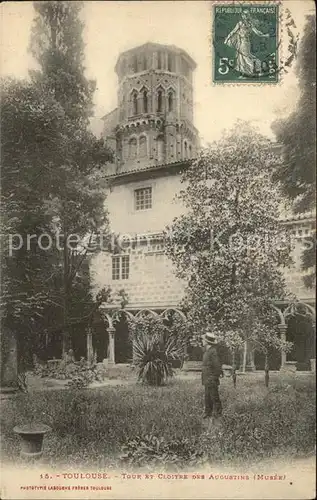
column 210, row 337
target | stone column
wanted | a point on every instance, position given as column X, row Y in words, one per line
column 90, row 352
column 250, row 366
column 111, row 331
column 282, row 329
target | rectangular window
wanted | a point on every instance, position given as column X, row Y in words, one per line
column 143, row 198
column 120, row 267
column 125, row 267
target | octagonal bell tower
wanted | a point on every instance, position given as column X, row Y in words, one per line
column 155, row 107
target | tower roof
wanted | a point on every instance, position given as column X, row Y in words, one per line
column 156, row 46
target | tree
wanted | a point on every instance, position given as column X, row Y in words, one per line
column 297, row 133
column 31, row 124
column 74, row 173
column 227, row 245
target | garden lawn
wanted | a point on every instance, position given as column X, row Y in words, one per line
column 90, row 426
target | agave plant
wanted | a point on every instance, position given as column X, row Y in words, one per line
column 154, row 348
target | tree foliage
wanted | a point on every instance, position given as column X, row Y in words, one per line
column 297, row 132
column 52, row 181
column 76, row 197
column 30, row 125
column 228, row 245
column 57, row 45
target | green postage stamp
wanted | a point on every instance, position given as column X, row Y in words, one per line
column 245, row 42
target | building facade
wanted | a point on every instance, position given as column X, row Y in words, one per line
column 154, row 138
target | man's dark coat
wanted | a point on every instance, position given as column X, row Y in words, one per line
column 211, row 369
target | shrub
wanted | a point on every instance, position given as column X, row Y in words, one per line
column 79, row 373
column 150, row 451
column 154, row 349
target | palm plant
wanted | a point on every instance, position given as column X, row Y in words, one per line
column 154, row 349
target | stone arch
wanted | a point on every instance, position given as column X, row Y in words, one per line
column 143, row 146
column 160, row 147
column 171, row 99
column 174, row 309
column 128, row 314
column 145, row 310
column 160, row 95
column 107, row 317
column 292, row 308
column 99, row 339
column 300, row 330
column 122, row 342
column 134, row 105
column 133, row 147
column 144, row 93
column 310, row 309
column 279, row 313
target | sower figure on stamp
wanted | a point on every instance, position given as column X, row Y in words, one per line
column 211, row 372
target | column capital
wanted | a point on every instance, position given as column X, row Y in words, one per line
column 282, row 328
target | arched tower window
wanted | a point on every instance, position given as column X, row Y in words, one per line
column 145, row 101
column 170, row 100
column 143, row 146
column 160, row 101
column 185, row 150
column 132, row 148
column 190, row 151
column 160, row 148
column 134, row 99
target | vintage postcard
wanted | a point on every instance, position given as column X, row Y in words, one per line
column 158, row 249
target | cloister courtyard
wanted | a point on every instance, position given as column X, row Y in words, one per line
column 122, row 423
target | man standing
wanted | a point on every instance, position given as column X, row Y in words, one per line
column 211, row 372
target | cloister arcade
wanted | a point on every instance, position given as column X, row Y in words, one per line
column 296, row 324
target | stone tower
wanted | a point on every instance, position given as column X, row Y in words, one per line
column 154, row 118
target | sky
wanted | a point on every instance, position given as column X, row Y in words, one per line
column 112, row 27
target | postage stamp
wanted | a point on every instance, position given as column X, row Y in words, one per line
column 245, row 42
